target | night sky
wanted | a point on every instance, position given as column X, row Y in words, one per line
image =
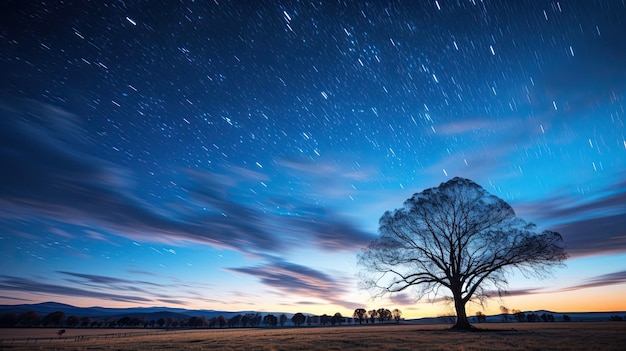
column 236, row 155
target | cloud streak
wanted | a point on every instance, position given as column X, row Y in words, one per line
column 591, row 227
column 294, row 279
column 47, row 179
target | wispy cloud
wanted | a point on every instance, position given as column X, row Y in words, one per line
column 9, row 283
column 46, row 177
column 589, row 226
column 599, row 281
column 294, row 279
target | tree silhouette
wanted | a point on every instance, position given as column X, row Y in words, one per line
column 566, row 318
column 85, row 321
column 383, row 314
column 397, row 314
column 72, row 321
column 360, row 314
column 8, row 319
column 234, row 321
column 519, row 315
column 53, row 318
column 270, row 320
column 481, row 317
column 373, row 315
column 29, row 319
column 337, row 318
column 298, row 319
column 457, row 237
column 505, row 313
column 282, row 319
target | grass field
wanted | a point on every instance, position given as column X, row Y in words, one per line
column 523, row 336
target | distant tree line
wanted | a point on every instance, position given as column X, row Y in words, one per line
column 247, row 320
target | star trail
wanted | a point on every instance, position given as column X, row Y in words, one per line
column 238, row 154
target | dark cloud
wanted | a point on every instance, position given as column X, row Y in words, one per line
column 108, row 288
column 45, row 177
column 104, row 280
column 403, row 299
column 591, row 227
column 9, row 283
column 294, row 279
column 600, row 281
column 173, row 301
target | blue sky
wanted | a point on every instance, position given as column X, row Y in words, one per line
column 237, row 156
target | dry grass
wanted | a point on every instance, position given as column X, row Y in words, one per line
column 526, row 336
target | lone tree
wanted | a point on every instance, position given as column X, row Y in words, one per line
column 456, row 241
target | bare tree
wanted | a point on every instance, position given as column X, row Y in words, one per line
column 460, row 238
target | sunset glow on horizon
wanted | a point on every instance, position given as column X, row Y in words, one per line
column 237, row 156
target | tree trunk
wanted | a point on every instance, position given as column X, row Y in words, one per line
column 462, row 322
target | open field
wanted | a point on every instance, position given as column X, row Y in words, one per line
column 513, row 336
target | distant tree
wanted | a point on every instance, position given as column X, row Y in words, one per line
column 245, row 320
column 298, row 319
column 325, row 319
column 337, row 318
column 457, row 237
column 234, row 321
column 61, row 332
column 85, row 321
column 397, row 314
column 270, row 320
column 532, row 317
column 519, row 315
column 161, row 322
column 72, row 321
column 373, row 315
column 221, row 321
column 505, row 313
column 8, row 319
column 449, row 318
column 384, row 315
column 197, row 322
column 282, row 319
column 547, row 317
column 566, row 318
column 29, row 319
column 256, row 321
column 480, row 317
column 124, row 322
column 53, row 318
column 360, row 314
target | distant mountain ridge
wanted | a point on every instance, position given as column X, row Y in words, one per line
column 159, row 312
column 101, row 312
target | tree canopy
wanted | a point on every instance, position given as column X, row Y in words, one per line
column 457, row 237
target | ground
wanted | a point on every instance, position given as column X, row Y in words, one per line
column 513, row 336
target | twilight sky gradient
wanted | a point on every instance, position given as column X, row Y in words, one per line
column 236, row 155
